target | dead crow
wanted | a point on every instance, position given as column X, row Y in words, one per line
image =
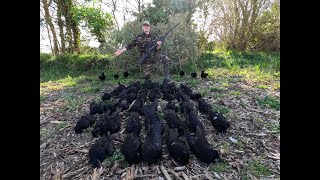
column 133, row 123
column 203, row 74
column 131, row 148
column 102, row 77
column 116, row 76
column 177, row 149
column 218, row 121
column 181, row 73
column 83, row 123
column 201, row 148
column 100, row 150
column 193, row 75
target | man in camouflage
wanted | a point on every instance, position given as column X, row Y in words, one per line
column 143, row 41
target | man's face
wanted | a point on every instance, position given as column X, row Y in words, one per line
column 146, row 28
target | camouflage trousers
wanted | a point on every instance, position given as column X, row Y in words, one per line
column 156, row 59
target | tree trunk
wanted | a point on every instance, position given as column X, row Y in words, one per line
column 49, row 22
column 49, row 39
column 66, row 13
column 114, row 8
column 75, row 30
column 76, row 36
column 60, row 23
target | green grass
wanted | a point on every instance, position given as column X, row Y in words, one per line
column 221, row 109
column 72, row 102
column 218, row 95
column 262, row 87
column 274, row 128
column 90, row 89
column 256, row 168
column 193, row 82
column 62, row 124
column 235, row 93
column 269, row 102
column 226, row 146
column 204, row 92
column 219, row 167
column 236, row 59
column 46, row 133
column 258, row 119
column 216, row 89
column 226, row 84
column 42, row 98
column 117, row 156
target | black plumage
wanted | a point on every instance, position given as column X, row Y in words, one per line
column 177, row 149
column 113, row 122
column 203, row 107
column 106, row 96
column 102, row 77
column 100, row 150
column 203, row 74
column 100, row 128
column 167, row 97
column 201, row 148
column 83, row 123
column 133, row 123
column 218, row 121
column 136, row 106
column 193, row 75
column 96, row 108
column 181, row 73
column 171, row 105
column 131, row 148
column 124, row 104
column 126, row 74
column 132, row 96
column 194, row 121
column 186, row 89
column 152, row 148
column 173, row 120
column 187, row 107
column 195, row 96
column 116, row 76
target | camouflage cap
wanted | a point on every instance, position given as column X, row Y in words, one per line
column 146, row 22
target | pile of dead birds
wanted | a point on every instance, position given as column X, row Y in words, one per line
column 179, row 126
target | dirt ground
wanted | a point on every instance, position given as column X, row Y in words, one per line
column 250, row 148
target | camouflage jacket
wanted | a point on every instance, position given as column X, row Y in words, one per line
column 144, row 42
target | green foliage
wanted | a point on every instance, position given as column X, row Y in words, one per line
column 216, row 89
column 179, row 46
column 46, row 133
column 45, row 57
column 95, row 19
column 266, row 33
column 72, row 64
column 117, row 156
column 256, row 168
column 221, row 109
column 270, row 102
column 273, row 127
column 236, row 59
column 219, row 167
column 160, row 11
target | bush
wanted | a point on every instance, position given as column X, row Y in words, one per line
column 179, row 46
column 81, row 62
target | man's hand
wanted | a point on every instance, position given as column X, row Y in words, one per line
column 159, row 45
column 118, row 52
